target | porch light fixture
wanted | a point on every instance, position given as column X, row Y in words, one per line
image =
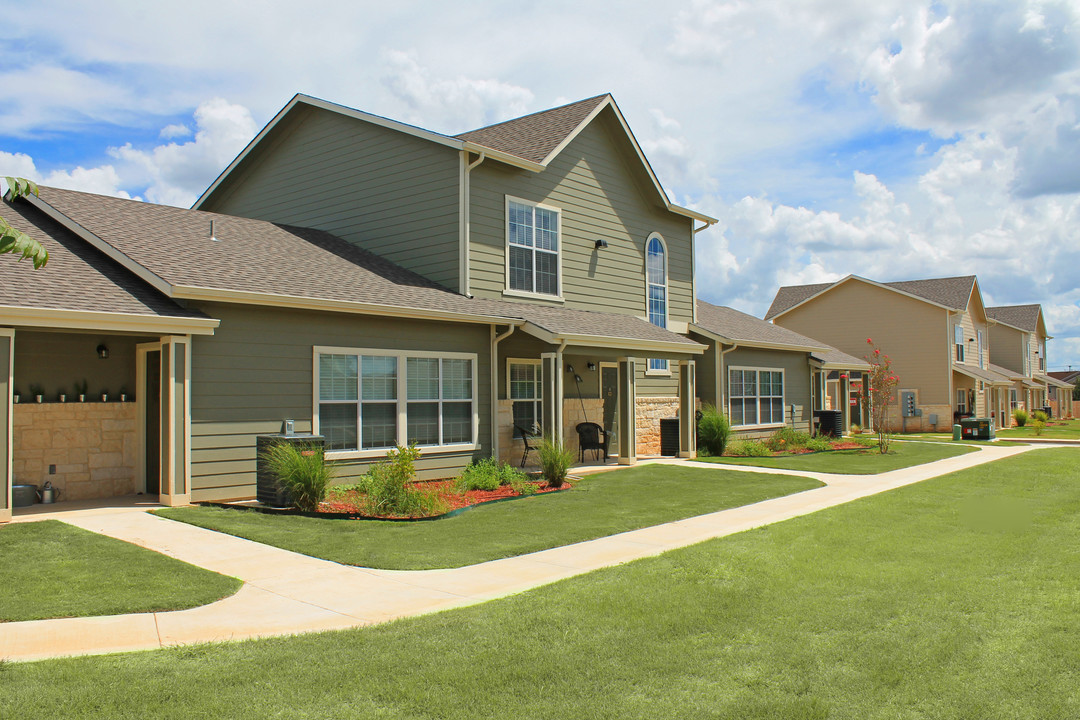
column 601, row 243
column 569, row 368
column 592, row 366
column 103, row 352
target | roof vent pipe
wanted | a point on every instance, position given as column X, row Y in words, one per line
column 213, row 235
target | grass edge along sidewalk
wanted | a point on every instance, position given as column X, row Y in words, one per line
column 857, row 461
column 951, row 598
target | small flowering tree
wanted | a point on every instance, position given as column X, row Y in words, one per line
column 879, row 386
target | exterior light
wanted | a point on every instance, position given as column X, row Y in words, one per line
column 103, row 352
column 592, row 366
column 601, row 243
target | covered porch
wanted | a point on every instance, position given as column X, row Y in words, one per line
column 838, row 383
column 980, row 393
column 634, row 390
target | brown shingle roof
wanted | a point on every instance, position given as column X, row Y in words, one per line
column 533, row 137
column 734, row 325
column 262, row 257
column 1025, row 317
column 951, row 292
column 77, row 277
column 1067, row 375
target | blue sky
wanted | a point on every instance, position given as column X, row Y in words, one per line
column 893, row 139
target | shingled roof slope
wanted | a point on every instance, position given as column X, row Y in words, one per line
column 952, row 292
column 533, row 137
column 77, row 277
column 734, row 325
column 174, row 244
column 789, row 296
column 1025, row 317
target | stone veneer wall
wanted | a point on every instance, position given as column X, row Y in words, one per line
column 649, row 412
column 510, row 448
column 91, row 444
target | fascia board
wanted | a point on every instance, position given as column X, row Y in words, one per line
column 118, row 322
column 761, row 344
column 143, row 273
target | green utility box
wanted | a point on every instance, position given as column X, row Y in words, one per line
column 977, row 428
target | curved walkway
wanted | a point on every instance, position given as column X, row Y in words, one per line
column 285, row 593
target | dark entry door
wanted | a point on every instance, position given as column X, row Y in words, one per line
column 609, row 391
column 152, row 407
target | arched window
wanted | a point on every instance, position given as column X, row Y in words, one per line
column 656, row 287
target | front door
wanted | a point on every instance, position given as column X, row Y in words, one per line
column 609, row 392
column 854, row 396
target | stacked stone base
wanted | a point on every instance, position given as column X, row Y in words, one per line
column 649, row 411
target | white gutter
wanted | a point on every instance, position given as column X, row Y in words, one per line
column 464, row 220
column 494, row 373
column 721, row 376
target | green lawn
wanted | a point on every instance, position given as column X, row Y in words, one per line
column 602, row 504
column 1067, row 430
column 861, row 461
column 955, row 598
column 50, row 569
column 947, row 438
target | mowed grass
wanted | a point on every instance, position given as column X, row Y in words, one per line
column 599, row 505
column 955, row 598
column 50, row 569
column 859, row 461
column 1059, row 430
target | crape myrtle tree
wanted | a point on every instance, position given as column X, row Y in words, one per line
column 15, row 241
column 880, row 384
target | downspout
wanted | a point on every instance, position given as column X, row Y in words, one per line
column 722, row 372
column 494, row 373
column 465, row 214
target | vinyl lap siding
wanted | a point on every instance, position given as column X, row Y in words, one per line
column 796, row 367
column 600, row 190
column 257, row 370
column 390, row 193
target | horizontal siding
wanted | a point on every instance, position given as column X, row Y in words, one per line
column 388, row 192
column 257, row 370
column 914, row 334
column 1007, row 347
column 601, row 190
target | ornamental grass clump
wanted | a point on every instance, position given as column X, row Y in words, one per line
column 302, row 471
column 1038, row 421
column 1020, row 416
column 555, row 461
column 713, row 431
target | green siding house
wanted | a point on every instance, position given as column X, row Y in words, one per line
column 374, row 283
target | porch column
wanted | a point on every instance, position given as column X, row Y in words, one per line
column 7, row 365
column 552, row 389
column 687, row 409
column 845, row 400
column 175, row 421
column 627, row 411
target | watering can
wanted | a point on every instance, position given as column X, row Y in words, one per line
column 49, row 494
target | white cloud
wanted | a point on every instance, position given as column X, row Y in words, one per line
column 176, row 130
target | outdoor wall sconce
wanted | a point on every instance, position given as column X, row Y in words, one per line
column 601, row 243
column 103, row 352
column 569, row 368
column 592, row 366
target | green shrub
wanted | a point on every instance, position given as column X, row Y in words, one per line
column 1020, row 416
column 1038, row 425
column 302, row 471
column 748, row 448
column 388, row 488
column 818, row 444
column 855, row 429
column 714, row 429
column 555, row 461
column 786, row 439
column 1040, row 416
column 489, row 474
column 865, row 440
column 523, row 486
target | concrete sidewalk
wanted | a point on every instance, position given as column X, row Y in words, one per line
column 286, row 593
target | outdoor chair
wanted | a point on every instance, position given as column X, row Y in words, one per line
column 592, row 437
column 525, row 436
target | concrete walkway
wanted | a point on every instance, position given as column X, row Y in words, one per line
column 286, row 593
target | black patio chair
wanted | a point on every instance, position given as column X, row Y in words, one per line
column 525, row 436
column 592, row 437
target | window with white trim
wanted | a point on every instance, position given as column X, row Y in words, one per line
column 525, row 390
column 532, row 247
column 1014, row 399
column 961, row 401
column 656, row 289
column 374, row 400
column 958, row 340
column 756, row 397
column 979, row 337
column 1027, row 356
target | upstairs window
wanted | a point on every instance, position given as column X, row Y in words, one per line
column 656, row 289
column 979, row 336
column 958, row 339
column 532, row 254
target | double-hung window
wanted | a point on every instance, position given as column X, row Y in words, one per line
column 958, row 340
column 979, row 336
column 525, row 393
column 532, row 238
column 372, row 400
column 656, row 289
column 756, row 397
column 961, row 401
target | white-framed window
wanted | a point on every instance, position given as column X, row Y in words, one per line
column 1014, row 399
column 755, row 396
column 524, row 387
column 961, row 400
column 367, row 401
column 1027, row 356
column 958, row 340
column 656, row 289
column 979, row 338
column 1042, row 355
column 533, row 239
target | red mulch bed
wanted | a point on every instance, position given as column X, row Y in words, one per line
column 445, row 490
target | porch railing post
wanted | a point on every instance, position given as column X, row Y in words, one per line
column 627, row 411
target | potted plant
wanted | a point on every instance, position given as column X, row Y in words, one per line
column 61, row 396
column 80, row 389
column 15, row 396
column 38, row 392
column 105, row 395
column 123, row 394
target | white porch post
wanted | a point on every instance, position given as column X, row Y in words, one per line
column 687, row 409
column 627, row 411
column 175, row 421
column 552, row 420
column 7, row 377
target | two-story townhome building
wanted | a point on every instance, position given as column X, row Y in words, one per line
column 1018, row 350
column 365, row 280
column 935, row 331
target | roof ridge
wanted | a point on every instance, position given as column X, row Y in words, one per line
column 529, row 115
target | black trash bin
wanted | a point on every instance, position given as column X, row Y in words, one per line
column 669, row 436
column 266, row 487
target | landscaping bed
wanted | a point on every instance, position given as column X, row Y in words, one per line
column 858, row 460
